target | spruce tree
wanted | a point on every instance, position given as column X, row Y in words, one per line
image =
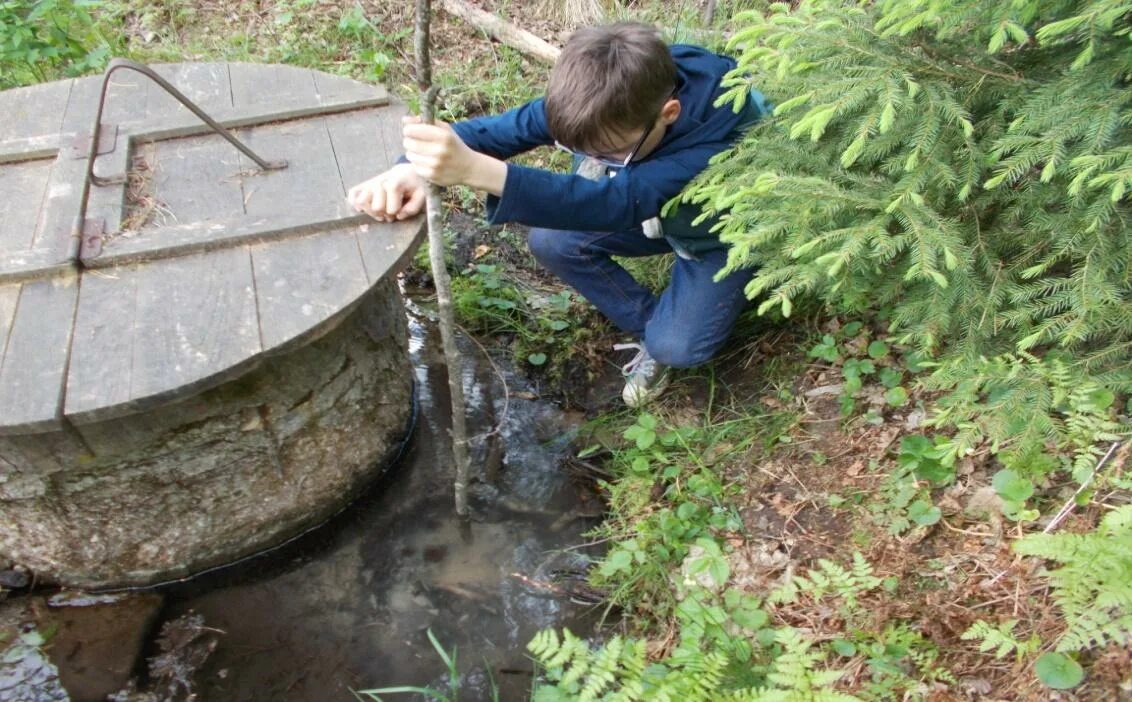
column 964, row 166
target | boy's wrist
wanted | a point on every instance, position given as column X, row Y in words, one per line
column 487, row 174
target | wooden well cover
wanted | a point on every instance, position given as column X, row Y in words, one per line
column 197, row 266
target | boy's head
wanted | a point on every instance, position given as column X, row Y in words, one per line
column 610, row 87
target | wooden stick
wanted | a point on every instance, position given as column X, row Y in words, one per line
column 500, row 30
column 440, row 277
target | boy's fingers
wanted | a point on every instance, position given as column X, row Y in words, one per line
column 414, row 204
column 359, row 198
column 393, row 195
column 426, row 132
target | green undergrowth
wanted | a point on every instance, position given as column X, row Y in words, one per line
column 44, row 40
column 819, row 631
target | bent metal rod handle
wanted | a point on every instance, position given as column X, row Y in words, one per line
column 120, row 63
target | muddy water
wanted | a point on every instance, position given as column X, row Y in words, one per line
column 349, row 606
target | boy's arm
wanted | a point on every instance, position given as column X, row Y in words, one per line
column 439, row 155
column 505, row 135
column 564, row 201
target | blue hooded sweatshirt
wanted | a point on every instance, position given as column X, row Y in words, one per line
column 632, row 194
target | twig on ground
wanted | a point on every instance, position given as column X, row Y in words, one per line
column 1067, row 508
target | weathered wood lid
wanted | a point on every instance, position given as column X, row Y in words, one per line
column 199, row 264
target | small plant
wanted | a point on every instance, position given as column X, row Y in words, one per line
column 863, row 361
column 921, row 463
column 833, row 581
column 1021, row 406
column 42, row 36
column 453, row 692
column 1093, row 585
column 487, row 300
column 1001, row 640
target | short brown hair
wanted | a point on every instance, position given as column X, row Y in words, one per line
column 608, row 79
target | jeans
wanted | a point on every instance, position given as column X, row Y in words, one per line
column 683, row 327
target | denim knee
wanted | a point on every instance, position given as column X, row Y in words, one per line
column 675, row 353
column 548, row 245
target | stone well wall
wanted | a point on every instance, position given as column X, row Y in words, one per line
column 218, row 476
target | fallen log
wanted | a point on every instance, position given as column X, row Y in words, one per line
column 502, row 31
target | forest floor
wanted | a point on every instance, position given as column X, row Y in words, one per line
column 806, row 465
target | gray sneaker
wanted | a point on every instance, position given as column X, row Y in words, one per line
column 645, row 379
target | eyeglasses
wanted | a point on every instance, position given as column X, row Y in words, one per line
column 621, row 163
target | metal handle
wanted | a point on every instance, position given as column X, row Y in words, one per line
column 118, row 63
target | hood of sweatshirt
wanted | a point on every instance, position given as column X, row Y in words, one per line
column 699, row 74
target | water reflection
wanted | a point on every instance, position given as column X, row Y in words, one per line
column 350, row 605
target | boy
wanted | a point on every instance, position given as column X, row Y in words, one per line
column 640, row 118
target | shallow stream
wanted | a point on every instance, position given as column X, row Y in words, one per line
column 348, row 606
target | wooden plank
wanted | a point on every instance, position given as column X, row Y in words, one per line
column 335, row 89
column 108, row 202
column 125, row 98
column 30, row 149
column 387, row 248
column 302, row 283
column 24, row 187
column 197, row 179
column 246, row 116
column 35, row 359
column 32, row 265
column 259, row 85
column 195, row 324
column 311, row 176
column 9, row 296
column 366, row 143
column 206, row 84
column 33, row 111
column 197, row 237
column 59, row 223
column 102, row 350
column 125, row 101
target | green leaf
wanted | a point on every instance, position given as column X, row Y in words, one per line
column 887, row 118
column 1101, row 399
column 1058, row 671
column 890, row 377
column 590, row 450
column 687, row 510
column 619, row 560
column 537, row 359
column 924, row 513
column 896, row 396
column 878, row 349
column 935, row 472
column 750, row 619
column 559, row 325
column 1011, row 486
column 843, row 647
column 646, row 439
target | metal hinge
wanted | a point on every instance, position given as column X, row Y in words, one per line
column 107, row 142
column 90, row 238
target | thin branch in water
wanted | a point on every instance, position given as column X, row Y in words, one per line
column 435, row 217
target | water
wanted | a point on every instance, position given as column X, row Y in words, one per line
column 350, row 606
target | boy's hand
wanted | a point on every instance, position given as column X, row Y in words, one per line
column 440, row 156
column 396, row 194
